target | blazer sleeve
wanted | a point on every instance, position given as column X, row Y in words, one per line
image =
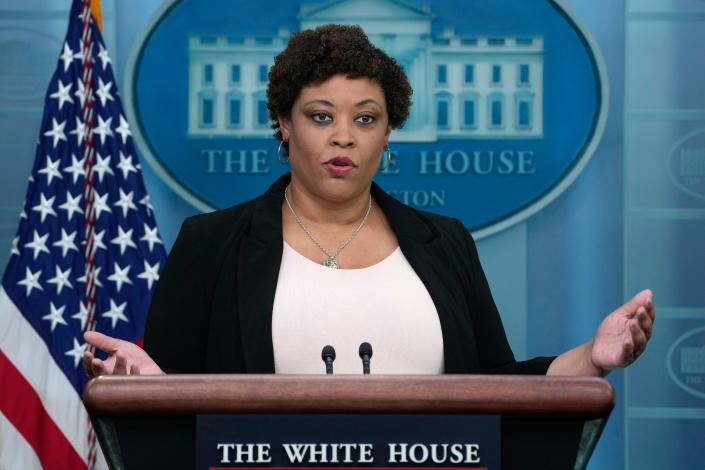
column 177, row 326
column 496, row 356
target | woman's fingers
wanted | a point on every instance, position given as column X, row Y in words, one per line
column 88, row 364
column 94, row 366
column 631, row 344
column 100, row 367
column 120, row 365
column 639, row 300
column 103, row 342
column 97, row 368
column 638, row 339
column 645, row 322
column 651, row 309
column 123, row 356
column 87, row 359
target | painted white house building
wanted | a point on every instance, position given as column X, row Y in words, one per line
column 693, row 360
column 464, row 87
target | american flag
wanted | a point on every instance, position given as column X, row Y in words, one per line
column 87, row 256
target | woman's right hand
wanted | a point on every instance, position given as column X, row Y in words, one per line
column 125, row 358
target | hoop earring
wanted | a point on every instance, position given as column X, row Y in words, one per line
column 388, row 152
column 283, row 161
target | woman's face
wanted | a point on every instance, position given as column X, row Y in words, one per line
column 337, row 132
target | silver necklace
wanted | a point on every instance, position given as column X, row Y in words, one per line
column 330, row 260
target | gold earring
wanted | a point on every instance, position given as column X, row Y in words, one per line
column 283, row 161
column 388, row 152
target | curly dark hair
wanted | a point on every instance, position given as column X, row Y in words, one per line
column 314, row 55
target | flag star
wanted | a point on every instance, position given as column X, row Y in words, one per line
column 96, row 274
column 67, row 56
column 116, row 313
column 38, row 244
column 103, row 129
column 120, row 276
column 126, row 165
column 62, row 94
column 80, row 93
column 23, row 214
column 80, row 53
column 98, row 237
column 76, row 168
column 45, row 206
column 14, row 250
column 57, row 131
column 81, row 315
column 124, row 239
column 61, row 279
column 150, row 274
column 103, row 56
column 123, row 129
column 76, row 352
column 147, row 205
column 103, row 91
column 31, row 280
column 102, row 166
column 51, row 169
column 55, row 316
column 66, row 243
column 125, row 202
column 150, row 236
column 100, row 204
column 79, row 131
column 71, row 205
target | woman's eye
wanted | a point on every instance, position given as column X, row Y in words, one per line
column 320, row 117
column 365, row 119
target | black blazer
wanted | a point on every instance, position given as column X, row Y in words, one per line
column 212, row 308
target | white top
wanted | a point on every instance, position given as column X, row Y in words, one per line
column 386, row 305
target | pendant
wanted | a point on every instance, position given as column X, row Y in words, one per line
column 330, row 262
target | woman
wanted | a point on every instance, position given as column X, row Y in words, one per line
column 251, row 289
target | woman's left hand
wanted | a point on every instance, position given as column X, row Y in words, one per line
column 623, row 334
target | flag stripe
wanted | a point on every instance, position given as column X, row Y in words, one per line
column 29, row 354
column 15, row 452
column 24, row 410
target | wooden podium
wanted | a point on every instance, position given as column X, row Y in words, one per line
column 546, row 422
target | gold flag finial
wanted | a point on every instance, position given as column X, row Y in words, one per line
column 97, row 14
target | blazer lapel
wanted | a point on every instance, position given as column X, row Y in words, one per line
column 423, row 247
column 258, row 272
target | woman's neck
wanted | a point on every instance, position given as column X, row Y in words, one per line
column 321, row 211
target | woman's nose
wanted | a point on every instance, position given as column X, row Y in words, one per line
column 343, row 136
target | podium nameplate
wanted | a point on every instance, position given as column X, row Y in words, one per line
column 346, row 441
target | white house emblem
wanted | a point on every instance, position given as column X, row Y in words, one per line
column 508, row 107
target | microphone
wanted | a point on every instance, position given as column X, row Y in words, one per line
column 365, row 355
column 328, row 356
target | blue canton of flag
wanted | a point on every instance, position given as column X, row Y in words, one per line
column 87, row 254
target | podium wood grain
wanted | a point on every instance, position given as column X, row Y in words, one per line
column 588, row 398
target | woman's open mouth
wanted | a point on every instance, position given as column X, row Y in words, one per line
column 339, row 166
